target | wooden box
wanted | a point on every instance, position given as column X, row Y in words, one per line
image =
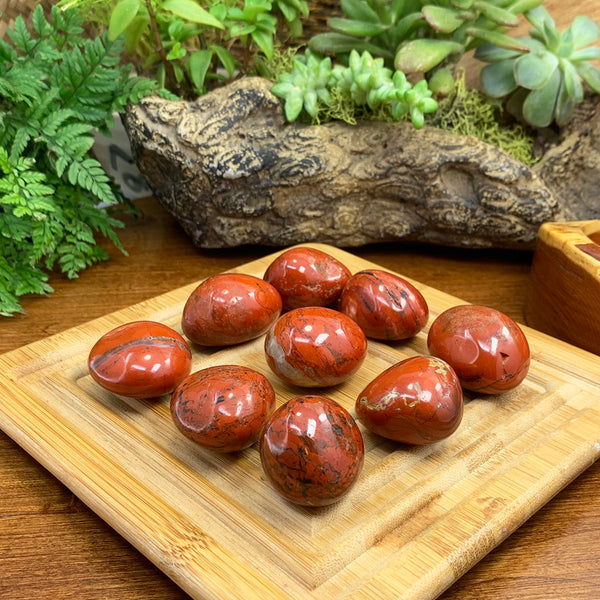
column 564, row 299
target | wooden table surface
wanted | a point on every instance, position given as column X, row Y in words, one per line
column 52, row 546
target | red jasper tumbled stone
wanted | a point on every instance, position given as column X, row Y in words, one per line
column 307, row 277
column 223, row 407
column 230, row 308
column 486, row 348
column 386, row 306
column 315, row 347
column 416, row 401
column 141, row 359
column 311, row 450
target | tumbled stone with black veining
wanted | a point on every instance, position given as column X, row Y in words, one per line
column 315, row 346
column 223, row 407
column 307, row 277
column 230, row 308
column 312, row 451
column 386, row 306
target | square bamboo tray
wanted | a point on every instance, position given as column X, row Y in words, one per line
column 416, row 520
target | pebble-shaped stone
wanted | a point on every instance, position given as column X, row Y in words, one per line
column 315, row 347
column 307, row 277
column 385, row 305
column 486, row 348
column 141, row 359
column 223, row 407
column 416, row 401
column 230, row 308
column 312, row 451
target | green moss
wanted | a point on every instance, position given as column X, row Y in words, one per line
column 469, row 112
column 281, row 62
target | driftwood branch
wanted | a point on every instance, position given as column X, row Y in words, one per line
column 233, row 172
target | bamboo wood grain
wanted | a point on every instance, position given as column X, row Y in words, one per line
column 416, row 521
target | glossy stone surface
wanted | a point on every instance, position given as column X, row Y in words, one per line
column 223, row 407
column 386, row 306
column 417, row 401
column 141, row 359
column 315, row 347
column 486, row 348
column 230, row 308
column 307, row 277
column 312, row 451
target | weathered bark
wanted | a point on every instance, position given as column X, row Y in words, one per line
column 571, row 166
column 233, row 172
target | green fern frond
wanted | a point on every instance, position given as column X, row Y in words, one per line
column 56, row 89
column 21, row 38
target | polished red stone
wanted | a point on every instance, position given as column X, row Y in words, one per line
column 386, row 306
column 311, row 450
column 307, row 277
column 417, row 401
column 486, row 348
column 230, row 308
column 142, row 359
column 315, row 347
column 223, row 407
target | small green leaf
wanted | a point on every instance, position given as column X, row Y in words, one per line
column 572, row 82
column 219, row 11
column 538, row 107
column 537, row 16
column 417, row 117
column 177, row 52
column 135, row 31
column 498, row 79
column 552, row 36
column 225, row 58
column 293, row 107
column 590, row 74
column 444, row 20
column 533, row 70
column 564, row 109
column 335, row 43
column 123, row 14
column 420, row 56
column 192, row 11
column 359, row 10
column 289, row 12
column 499, row 39
column 357, row 28
column 462, row 4
column 310, row 103
column 585, row 31
column 519, row 7
column 591, row 53
column 198, row 65
column 404, row 28
column 499, row 15
column 488, row 52
column 264, row 40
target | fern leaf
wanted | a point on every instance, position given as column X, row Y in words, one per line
column 21, row 37
column 39, row 22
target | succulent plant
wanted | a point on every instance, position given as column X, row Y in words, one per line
column 366, row 82
column 304, row 86
column 543, row 83
column 414, row 36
